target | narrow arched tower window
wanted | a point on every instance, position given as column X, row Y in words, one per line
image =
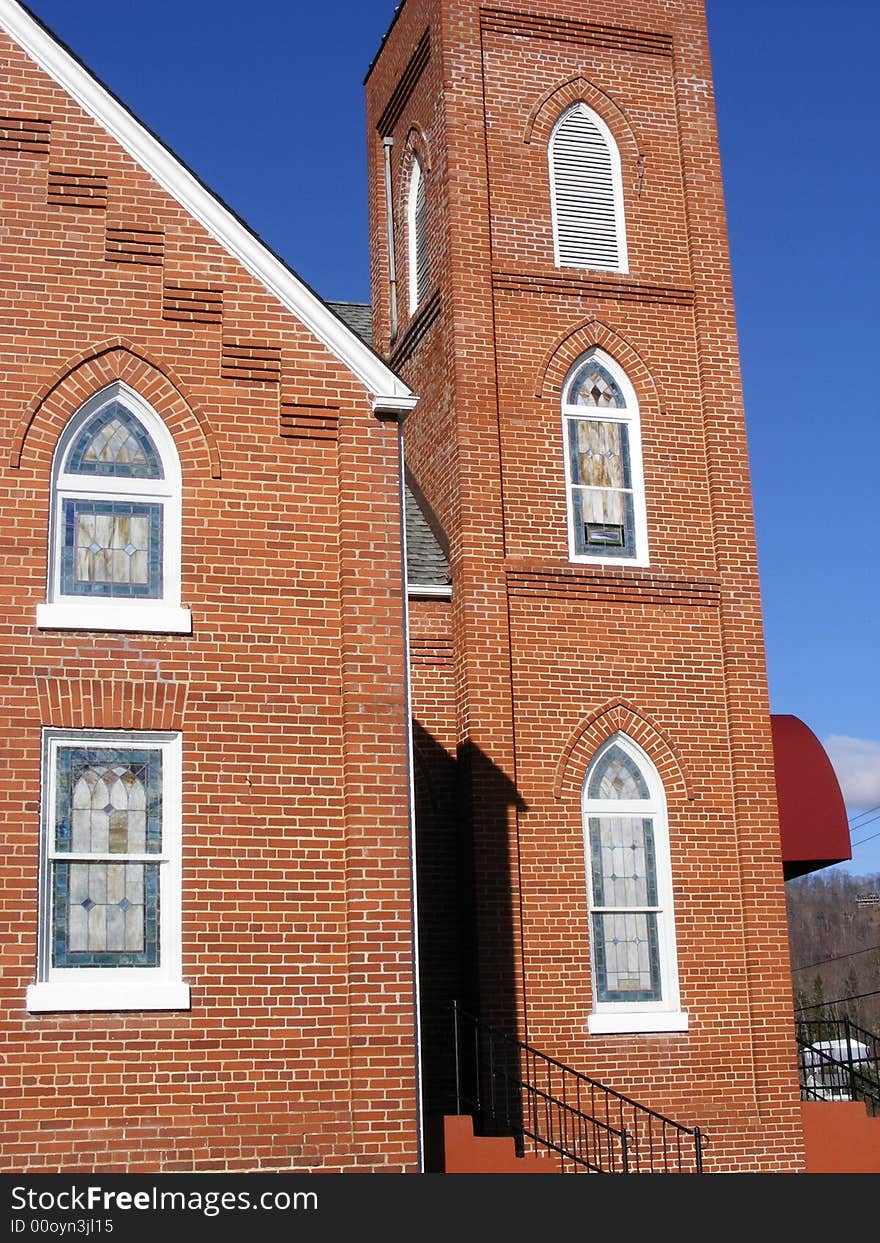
column 632, row 927
column 606, row 495
column 417, row 234
column 586, row 193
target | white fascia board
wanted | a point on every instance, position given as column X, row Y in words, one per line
column 388, row 392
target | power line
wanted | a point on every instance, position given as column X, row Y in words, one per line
column 869, row 838
column 839, row 958
column 859, row 814
column 857, row 828
column 818, row 1005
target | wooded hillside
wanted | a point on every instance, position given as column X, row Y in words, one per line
column 835, row 946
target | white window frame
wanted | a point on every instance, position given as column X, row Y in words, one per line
column 74, row 612
column 622, row 264
column 665, row 1015
column 114, row 988
column 631, row 418
column 415, row 243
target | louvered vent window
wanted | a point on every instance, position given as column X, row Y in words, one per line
column 586, row 193
column 418, row 238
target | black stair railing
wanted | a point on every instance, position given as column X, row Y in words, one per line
column 512, row 1089
column 839, row 1061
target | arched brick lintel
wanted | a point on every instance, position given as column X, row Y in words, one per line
column 95, row 368
column 576, row 341
column 578, row 89
column 114, row 703
column 618, row 717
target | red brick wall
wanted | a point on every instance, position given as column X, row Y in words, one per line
column 551, row 657
column 289, row 694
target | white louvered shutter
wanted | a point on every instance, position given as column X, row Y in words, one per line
column 587, row 215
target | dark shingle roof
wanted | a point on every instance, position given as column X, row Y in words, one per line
column 358, row 316
column 426, row 562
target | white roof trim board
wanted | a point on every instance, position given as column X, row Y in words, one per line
column 389, row 395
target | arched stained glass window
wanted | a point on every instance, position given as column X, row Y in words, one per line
column 632, row 932
column 606, row 503
column 586, row 193
column 115, row 529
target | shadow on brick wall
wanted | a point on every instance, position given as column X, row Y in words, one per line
column 465, row 806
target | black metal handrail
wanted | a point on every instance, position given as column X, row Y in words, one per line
column 839, row 1061
column 512, row 1088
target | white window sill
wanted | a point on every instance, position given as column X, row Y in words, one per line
column 43, row 998
column 640, row 1021
column 104, row 615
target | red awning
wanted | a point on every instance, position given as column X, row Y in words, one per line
column 812, row 815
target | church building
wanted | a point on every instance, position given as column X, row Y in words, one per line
column 388, row 742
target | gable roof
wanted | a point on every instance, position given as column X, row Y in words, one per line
column 388, row 393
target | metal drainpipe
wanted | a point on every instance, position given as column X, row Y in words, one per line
column 387, row 144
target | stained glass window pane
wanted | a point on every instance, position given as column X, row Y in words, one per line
column 627, row 954
column 114, row 443
column 594, row 386
column 599, row 453
column 105, row 915
column 616, row 775
column 106, row 908
column 112, row 548
column 623, row 862
column 108, row 802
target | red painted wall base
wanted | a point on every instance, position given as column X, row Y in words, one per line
column 840, row 1137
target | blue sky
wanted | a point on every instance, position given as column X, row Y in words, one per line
column 265, row 102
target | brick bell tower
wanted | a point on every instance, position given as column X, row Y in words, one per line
column 599, row 857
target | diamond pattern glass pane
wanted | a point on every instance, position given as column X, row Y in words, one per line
column 114, row 443
column 627, row 956
column 105, row 915
column 615, row 775
column 112, row 548
column 594, row 386
column 622, row 859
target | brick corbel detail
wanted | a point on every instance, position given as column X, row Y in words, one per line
column 89, row 372
column 117, row 703
column 618, row 717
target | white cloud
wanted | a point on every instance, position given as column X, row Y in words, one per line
column 857, row 764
